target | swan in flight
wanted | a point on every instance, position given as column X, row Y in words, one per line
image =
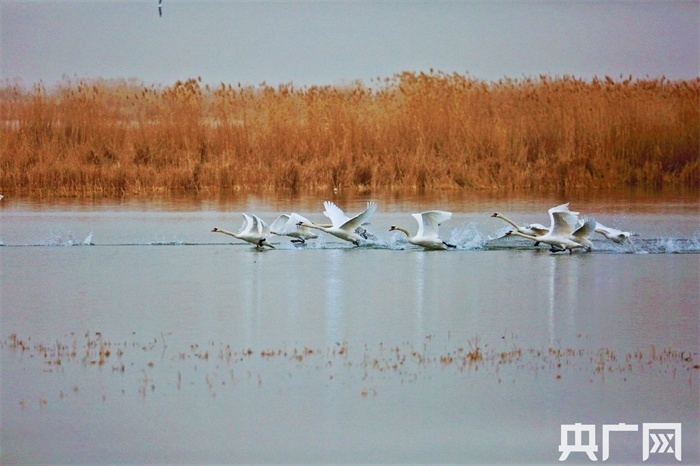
column 343, row 227
column 561, row 235
column 254, row 230
column 286, row 225
column 614, row 234
column 427, row 235
column 532, row 229
column 160, row 7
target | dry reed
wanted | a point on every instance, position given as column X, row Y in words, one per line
column 412, row 130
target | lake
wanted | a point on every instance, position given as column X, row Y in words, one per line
column 132, row 334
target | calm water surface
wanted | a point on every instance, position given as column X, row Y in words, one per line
column 152, row 340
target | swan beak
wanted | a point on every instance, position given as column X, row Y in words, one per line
column 393, row 227
column 509, row 233
column 215, row 230
column 495, row 215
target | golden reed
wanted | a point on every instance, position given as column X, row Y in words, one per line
column 412, row 130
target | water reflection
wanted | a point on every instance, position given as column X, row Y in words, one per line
column 334, row 287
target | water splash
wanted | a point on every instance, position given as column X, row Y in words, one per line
column 468, row 238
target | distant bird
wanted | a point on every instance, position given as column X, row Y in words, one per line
column 254, row 230
column 427, row 235
column 342, row 226
column 532, row 229
column 561, row 235
column 160, row 8
column 286, row 225
column 614, row 234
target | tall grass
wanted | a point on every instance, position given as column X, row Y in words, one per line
column 412, row 130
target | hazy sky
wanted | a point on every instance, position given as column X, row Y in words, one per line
column 324, row 42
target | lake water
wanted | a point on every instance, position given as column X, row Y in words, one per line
column 152, row 340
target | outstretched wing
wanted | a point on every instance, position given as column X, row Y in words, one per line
column 261, row 226
column 281, row 225
column 538, row 229
column 335, row 214
column 586, row 229
column 360, row 218
column 429, row 221
column 562, row 219
column 247, row 226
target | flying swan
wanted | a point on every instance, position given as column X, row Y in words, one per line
column 614, row 234
column 286, row 225
column 342, row 226
column 532, row 229
column 561, row 235
column 427, row 235
column 254, row 230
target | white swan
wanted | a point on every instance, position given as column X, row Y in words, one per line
column 561, row 235
column 342, row 226
column 613, row 234
column 286, row 225
column 532, row 229
column 427, row 235
column 254, row 230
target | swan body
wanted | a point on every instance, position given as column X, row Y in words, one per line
column 343, row 227
column 559, row 241
column 533, row 229
column 564, row 233
column 613, row 234
column 427, row 235
column 286, row 225
column 254, row 230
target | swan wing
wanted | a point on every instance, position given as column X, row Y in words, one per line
column 586, row 229
column 359, row 219
column 247, row 226
column 263, row 228
column 538, row 229
column 335, row 214
column 281, row 225
column 562, row 219
column 429, row 221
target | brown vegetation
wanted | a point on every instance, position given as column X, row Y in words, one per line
column 413, row 130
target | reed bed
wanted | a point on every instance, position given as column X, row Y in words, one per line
column 410, row 131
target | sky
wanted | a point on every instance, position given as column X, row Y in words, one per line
column 339, row 42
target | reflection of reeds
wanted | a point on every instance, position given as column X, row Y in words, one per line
column 413, row 130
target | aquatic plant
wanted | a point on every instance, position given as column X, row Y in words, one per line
column 412, row 130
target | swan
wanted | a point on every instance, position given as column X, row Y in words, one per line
column 254, row 230
column 613, row 234
column 343, row 227
column 427, row 235
column 532, row 229
column 334, row 212
column 561, row 235
column 160, row 7
column 286, row 225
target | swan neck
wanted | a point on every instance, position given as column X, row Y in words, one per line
column 226, row 232
column 504, row 218
column 405, row 231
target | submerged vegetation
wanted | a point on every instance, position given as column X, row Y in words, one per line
column 413, row 130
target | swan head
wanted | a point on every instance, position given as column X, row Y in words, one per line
column 215, row 230
column 509, row 232
column 497, row 215
column 393, row 227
